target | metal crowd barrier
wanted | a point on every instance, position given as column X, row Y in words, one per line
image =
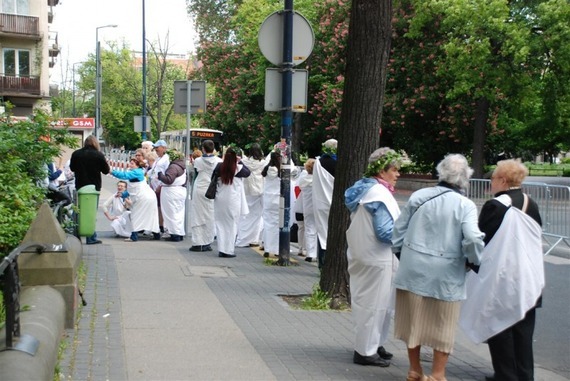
column 553, row 203
column 118, row 159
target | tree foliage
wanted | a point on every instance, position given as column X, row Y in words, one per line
column 458, row 63
column 27, row 146
column 475, row 77
column 121, row 93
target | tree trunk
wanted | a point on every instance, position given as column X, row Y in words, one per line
column 479, row 135
column 359, row 129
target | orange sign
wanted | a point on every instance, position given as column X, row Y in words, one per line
column 202, row 134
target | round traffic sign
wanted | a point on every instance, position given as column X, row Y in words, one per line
column 270, row 38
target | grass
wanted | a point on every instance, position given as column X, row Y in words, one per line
column 318, row 300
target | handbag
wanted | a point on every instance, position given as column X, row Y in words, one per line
column 213, row 187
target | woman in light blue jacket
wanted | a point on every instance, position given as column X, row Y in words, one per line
column 436, row 238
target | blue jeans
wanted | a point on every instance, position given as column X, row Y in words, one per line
column 93, row 238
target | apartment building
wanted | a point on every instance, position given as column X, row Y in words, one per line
column 28, row 50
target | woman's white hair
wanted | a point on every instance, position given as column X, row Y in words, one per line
column 454, row 169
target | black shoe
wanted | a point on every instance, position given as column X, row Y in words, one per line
column 373, row 360
column 309, row 259
column 156, row 236
column 96, row 242
column 224, row 255
column 384, row 354
column 201, row 248
column 175, row 238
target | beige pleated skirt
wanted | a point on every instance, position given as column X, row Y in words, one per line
column 420, row 320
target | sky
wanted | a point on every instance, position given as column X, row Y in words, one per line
column 76, row 21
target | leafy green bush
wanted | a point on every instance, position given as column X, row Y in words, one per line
column 26, row 147
column 417, row 169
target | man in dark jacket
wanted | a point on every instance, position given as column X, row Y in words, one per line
column 88, row 163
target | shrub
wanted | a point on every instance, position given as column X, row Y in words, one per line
column 26, row 147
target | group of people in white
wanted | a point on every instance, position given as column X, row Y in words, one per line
column 249, row 214
column 155, row 198
column 151, row 196
column 433, row 265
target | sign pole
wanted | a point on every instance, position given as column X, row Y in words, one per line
column 187, row 155
column 286, row 127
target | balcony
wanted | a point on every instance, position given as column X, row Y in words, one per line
column 22, row 86
column 19, row 26
column 53, row 46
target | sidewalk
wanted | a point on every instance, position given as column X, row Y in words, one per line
column 157, row 311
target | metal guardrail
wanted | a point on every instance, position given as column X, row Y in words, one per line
column 553, row 203
column 10, row 284
column 119, row 159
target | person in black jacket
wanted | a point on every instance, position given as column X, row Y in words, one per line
column 511, row 349
column 88, row 163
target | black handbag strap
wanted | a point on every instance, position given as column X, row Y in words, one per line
column 429, row 199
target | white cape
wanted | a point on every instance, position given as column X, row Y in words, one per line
column 323, row 184
column 510, row 278
column 173, row 205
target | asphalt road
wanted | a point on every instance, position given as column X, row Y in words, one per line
column 552, row 333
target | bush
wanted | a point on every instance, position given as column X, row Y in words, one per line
column 26, row 147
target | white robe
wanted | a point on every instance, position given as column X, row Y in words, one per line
column 229, row 205
column 323, row 183
column 271, row 200
column 510, row 278
column 115, row 207
column 202, row 223
column 251, row 224
column 306, row 185
column 144, row 211
column 173, row 205
column 159, row 165
column 372, row 267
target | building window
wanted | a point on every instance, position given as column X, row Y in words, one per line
column 16, row 7
column 16, row 62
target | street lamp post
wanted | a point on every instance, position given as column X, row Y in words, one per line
column 74, row 114
column 143, row 73
column 98, row 81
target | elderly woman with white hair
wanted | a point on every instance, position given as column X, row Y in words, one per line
column 436, row 238
column 371, row 264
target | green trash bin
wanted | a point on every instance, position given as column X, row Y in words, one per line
column 87, row 201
